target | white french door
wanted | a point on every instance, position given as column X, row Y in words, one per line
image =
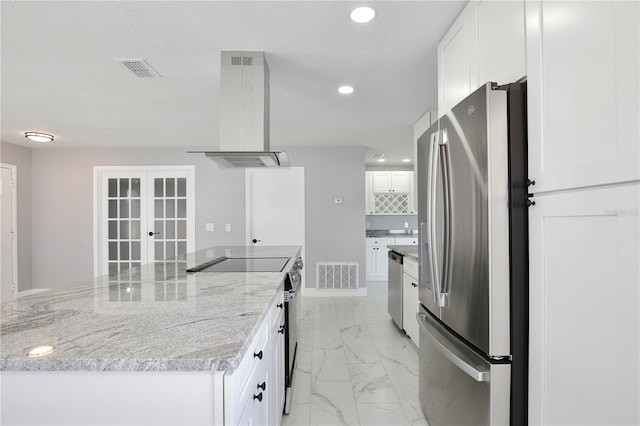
column 143, row 215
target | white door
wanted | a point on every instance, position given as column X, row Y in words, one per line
column 275, row 207
column 144, row 214
column 8, row 252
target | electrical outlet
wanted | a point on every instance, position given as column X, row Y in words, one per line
column 406, row 225
column 209, row 227
column 227, row 227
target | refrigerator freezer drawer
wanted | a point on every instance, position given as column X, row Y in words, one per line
column 457, row 386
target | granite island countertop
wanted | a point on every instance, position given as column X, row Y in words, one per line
column 406, row 250
column 157, row 318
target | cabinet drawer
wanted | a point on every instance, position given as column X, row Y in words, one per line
column 240, row 384
column 410, row 267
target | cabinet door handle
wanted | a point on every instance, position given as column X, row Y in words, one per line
column 414, row 284
column 281, row 331
column 262, row 386
column 280, row 305
column 258, row 397
column 257, row 355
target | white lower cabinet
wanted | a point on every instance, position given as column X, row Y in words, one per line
column 584, row 304
column 377, row 255
column 254, row 392
column 410, row 298
column 377, row 258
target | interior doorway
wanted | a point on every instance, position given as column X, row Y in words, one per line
column 8, row 233
column 275, row 207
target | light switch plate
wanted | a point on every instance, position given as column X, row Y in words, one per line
column 227, row 227
column 406, row 225
column 209, row 227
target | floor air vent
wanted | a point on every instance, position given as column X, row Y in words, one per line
column 337, row 275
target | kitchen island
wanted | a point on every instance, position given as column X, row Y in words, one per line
column 156, row 345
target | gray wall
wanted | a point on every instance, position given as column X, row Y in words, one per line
column 333, row 232
column 21, row 158
column 391, row 221
column 62, row 185
column 61, row 250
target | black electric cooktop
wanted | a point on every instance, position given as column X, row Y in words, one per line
column 242, row 264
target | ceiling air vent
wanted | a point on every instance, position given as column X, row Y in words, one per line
column 377, row 155
column 139, row 67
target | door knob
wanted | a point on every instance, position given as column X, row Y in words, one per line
column 151, row 233
column 256, row 241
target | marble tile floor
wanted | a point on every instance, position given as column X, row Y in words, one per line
column 354, row 366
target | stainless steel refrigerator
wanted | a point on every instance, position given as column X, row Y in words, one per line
column 472, row 209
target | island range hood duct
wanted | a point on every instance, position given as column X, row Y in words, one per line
column 244, row 113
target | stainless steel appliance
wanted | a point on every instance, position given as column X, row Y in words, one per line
column 394, row 283
column 472, row 181
column 291, row 292
column 244, row 113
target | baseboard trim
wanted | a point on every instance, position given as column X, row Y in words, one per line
column 314, row 292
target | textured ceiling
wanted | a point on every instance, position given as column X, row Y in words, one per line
column 59, row 72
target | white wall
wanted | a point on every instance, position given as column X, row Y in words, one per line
column 21, row 158
column 334, row 233
column 62, row 203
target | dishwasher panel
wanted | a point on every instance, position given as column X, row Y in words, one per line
column 395, row 287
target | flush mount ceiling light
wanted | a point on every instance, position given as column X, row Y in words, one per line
column 406, row 160
column 362, row 14
column 39, row 136
column 40, row 351
column 345, row 90
column 381, row 160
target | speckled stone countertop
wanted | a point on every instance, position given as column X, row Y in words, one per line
column 406, row 250
column 384, row 233
column 159, row 318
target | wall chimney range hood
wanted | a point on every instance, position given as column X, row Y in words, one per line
column 244, row 113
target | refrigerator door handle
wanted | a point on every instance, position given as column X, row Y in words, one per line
column 434, row 155
column 476, row 370
column 445, row 159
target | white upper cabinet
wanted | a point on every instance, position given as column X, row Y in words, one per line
column 368, row 193
column 486, row 43
column 582, row 67
column 458, row 61
column 390, row 192
column 501, row 42
column 396, row 181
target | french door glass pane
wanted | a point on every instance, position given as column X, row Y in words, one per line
column 170, row 201
column 124, row 234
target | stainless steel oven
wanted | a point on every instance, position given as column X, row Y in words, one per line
column 291, row 297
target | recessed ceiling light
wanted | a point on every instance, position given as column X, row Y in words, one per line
column 406, row 160
column 362, row 14
column 345, row 90
column 38, row 136
column 40, row 351
column 381, row 160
